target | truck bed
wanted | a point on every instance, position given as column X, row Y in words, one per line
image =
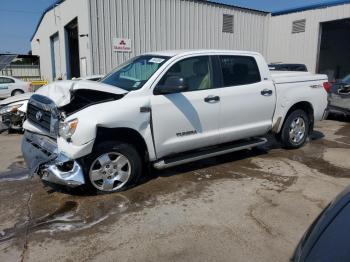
column 284, row 77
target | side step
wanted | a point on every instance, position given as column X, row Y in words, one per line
column 211, row 152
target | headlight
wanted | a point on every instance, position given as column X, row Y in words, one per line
column 67, row 129
column 10, row 109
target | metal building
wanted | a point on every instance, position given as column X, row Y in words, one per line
column 83, row 37
column 316, row 35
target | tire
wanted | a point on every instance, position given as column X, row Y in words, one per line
column 17, row 92
column 295, row 130
column 113, row 167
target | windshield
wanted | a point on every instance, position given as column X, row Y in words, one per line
column 346, row 79
column 133, row 74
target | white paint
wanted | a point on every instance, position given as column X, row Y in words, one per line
column 187, row 111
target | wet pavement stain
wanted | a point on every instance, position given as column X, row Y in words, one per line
column 69, row 212
column 16, row 171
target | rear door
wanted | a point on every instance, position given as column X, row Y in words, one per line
column 247, row 98
column 5, row 86
column 187, row 120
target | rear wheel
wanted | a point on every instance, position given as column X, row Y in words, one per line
column 17, row 92
column 295, row 129
column 114, row 167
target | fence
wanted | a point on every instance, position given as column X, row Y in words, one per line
column 23, row 72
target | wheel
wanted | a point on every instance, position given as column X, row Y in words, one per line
column 114, row 167
column 17, row 92
column 295, row 129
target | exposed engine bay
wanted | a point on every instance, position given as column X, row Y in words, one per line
column 83, row 98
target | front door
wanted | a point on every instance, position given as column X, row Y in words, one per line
column 247, row 99
column 187, row 120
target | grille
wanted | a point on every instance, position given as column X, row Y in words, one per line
column 44, row 122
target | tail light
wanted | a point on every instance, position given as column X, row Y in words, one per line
column 327, row 86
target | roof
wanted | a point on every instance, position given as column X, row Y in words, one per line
column 217, row 2
column 220, row 2
column 56, row 3
column 311, row 7
column 172, row 53
column 5, row 60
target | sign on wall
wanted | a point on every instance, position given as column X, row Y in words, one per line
column 121, row 45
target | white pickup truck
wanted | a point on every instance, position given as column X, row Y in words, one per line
column 165, row 109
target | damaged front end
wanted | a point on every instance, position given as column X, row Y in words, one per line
column 40, row 149
column 47, row 111
column 44, row 159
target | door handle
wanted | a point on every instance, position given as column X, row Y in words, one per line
column 209, row 99
column 266, row 92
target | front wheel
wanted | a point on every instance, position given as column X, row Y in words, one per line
column 295, row 129
column 115, row 166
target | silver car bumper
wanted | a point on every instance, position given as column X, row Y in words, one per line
column 42, row 158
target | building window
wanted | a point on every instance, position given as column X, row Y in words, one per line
column 298, row 26
column 227, row 24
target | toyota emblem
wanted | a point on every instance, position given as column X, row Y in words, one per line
column 39, row 115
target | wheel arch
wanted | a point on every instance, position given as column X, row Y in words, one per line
column 303, row 105
column 16, row 89
column 127, row 135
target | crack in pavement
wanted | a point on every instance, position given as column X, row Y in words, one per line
column 27, row 223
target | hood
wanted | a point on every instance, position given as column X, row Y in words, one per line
column 14, row 99
column 61, row 91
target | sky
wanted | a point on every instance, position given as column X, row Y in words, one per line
column 18, row 18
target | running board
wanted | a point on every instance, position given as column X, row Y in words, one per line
column 198, row 155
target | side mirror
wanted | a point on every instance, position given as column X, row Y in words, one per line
column 173, row 84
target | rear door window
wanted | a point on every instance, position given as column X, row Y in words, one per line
column 6, row 80
column 239, row 70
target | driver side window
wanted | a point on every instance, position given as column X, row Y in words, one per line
column 195, row 72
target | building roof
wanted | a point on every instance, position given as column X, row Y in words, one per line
column 220, row 2
column 180, row 52
column 58, row 2
column 310, row 7
column 6, row 59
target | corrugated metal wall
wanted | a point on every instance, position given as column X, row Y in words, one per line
column 169, row 24
column 283, row 46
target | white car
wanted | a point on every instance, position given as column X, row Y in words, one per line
column 10, row 86
column 165, row 109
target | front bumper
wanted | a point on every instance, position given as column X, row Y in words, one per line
column 43, row 158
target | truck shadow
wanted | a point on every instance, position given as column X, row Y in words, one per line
column 223, row 159
column 339, row 117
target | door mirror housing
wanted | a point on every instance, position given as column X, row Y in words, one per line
column 173, row 84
